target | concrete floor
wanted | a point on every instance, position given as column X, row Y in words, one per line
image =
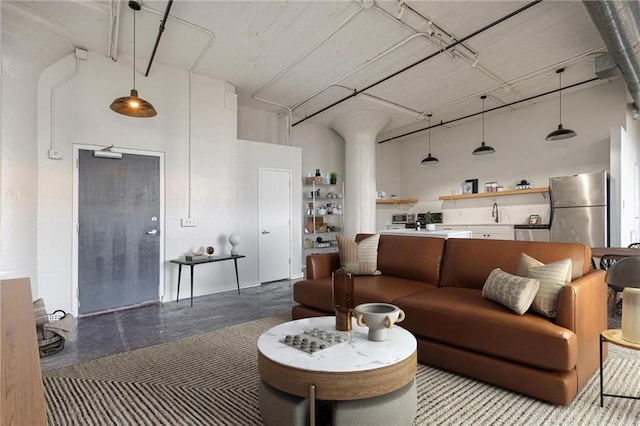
column 121, row 331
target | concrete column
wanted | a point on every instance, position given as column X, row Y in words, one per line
column 359, row 130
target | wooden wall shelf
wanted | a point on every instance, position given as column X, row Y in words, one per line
column 541, row 190
column 396, row 200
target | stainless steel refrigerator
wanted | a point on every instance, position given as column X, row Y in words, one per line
column 579, row 209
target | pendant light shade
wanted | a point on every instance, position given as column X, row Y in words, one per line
column 483, row 148
column 429, row 159
column 132, row 105
column 560, row 133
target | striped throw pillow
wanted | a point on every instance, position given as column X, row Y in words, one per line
column 359, row 258
column 552, row 277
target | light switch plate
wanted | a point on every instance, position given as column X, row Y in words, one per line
column 55, row 154
column 189, row 222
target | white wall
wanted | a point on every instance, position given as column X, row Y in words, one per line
column 251, row 156
column 18, row 172
column 322, row 148
column 260, row 126
column 82, row 116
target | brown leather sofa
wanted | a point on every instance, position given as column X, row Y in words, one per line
column 438, row 283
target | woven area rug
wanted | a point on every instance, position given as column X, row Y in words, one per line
column 211, row 379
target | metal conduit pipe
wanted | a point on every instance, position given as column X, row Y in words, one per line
column 160, row 31
column 408, row 67
column 618, row 23
column 444, row 123
column 114, row 25
column 289, row 110
column 366, row 64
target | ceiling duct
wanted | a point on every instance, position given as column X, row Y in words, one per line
column 618, row 23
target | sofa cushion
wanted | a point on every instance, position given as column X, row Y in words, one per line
column 483, row 256
column 412, row 258
column 552, row 277
column 367, row 289
column 514, row 292
column 462, row 317
column 359, row 258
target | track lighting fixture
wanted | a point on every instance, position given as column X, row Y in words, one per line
column 429, row 159
column 132, row 105
column 560, row 133
column 483, row 148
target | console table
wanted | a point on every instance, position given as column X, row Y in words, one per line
column 208, row 259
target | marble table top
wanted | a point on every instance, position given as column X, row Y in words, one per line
column 356, row 353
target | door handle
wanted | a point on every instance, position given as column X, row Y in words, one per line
column 152, row 232
column 265, row 232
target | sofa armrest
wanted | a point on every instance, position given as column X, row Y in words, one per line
column 322, row 265
column 582, row 308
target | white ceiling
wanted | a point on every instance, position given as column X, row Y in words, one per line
column 289, row 51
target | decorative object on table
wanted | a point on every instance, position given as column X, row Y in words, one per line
column 631, row 315
column 209, row 250
column 333, row 178
column 378, row 317
column 560, row 133
column 234, row 240
column 318, row 172
column 132, row 105
column 314, row 340
column 343, row 303
column 483, row 149
column 199, row 252
column 523, row 185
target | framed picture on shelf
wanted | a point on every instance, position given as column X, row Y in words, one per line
column 534, row 219
column 470, row 186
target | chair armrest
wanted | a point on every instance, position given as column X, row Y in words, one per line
column 322, row 265
column 582, row 308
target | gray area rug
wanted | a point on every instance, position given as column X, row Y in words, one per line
column 211, row 379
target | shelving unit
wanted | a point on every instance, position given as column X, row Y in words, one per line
column 541, row 190
column 396, row 201
column 324, row 226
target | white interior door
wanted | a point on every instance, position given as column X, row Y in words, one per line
column 274, row 224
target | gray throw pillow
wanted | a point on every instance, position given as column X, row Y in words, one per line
column 514, row 292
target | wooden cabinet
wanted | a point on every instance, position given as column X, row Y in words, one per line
column 490, row 232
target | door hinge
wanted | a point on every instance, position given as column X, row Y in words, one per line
column 77, row 227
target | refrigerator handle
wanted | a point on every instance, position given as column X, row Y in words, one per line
column 550, row 207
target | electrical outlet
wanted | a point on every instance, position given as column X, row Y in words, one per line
column 189, row 222
column 55, row 154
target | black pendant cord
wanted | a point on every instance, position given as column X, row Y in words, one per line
column 134, row 49
column 483, row 98
column 560, row 93
column 429, row 134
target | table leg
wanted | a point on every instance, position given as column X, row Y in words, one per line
column 601, row 384
column 179, row 275
column 235, row 261
column 191, row 286
column 312, row 405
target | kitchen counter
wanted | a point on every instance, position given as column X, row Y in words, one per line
column 449, row 233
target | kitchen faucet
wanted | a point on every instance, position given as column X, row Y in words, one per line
column 494, row 211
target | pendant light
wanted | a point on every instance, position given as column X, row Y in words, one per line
column 483, row 148
column 560, row 133
column 133, row 106
column 429, row 159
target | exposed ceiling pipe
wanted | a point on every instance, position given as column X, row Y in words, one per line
column 114, row 25
column 408, row 67
column 618, row 23
column 160, row 31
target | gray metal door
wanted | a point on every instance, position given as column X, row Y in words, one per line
column 118, row 231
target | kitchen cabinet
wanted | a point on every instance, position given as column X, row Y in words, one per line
column 490, row 232
column 323, row 206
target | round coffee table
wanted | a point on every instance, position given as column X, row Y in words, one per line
column 372, row 373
